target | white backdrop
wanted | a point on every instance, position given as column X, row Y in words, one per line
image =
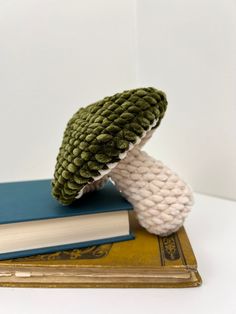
column 54, row 57
column 188, row 49
column 57, row 55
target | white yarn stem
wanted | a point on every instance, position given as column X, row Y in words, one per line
column 160, row 198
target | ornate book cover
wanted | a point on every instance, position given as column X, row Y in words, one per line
column 147, row 261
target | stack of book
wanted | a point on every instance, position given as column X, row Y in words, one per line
column 87, row 244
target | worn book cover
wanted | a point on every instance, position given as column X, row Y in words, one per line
column 147, row 261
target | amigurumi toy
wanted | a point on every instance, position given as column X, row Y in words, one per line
column 104, row 140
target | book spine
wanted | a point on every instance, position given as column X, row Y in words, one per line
column 171, row 252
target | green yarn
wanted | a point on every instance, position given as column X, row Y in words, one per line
column 97, row 134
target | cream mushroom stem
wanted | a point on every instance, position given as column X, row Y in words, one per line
column 161, row 200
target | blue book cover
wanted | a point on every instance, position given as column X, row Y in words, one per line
column 32, row 201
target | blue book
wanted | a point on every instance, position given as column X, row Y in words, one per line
column 33, row 222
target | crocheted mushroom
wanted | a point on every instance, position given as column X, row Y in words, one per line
column 104, row 140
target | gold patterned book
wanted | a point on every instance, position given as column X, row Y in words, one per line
column 148, row 261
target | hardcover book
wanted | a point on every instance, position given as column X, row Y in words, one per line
column 33, row 222
column 147, row 261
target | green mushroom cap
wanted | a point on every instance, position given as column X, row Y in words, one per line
column 98, row 135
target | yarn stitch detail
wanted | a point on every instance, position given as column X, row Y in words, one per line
column 99, row 136
column 161, row 200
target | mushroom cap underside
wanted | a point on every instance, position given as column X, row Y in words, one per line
column 98, row 136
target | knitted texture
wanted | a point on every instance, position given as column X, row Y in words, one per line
column 160, row 198
column 99, row 136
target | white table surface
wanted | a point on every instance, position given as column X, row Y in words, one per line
column 212, row 230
